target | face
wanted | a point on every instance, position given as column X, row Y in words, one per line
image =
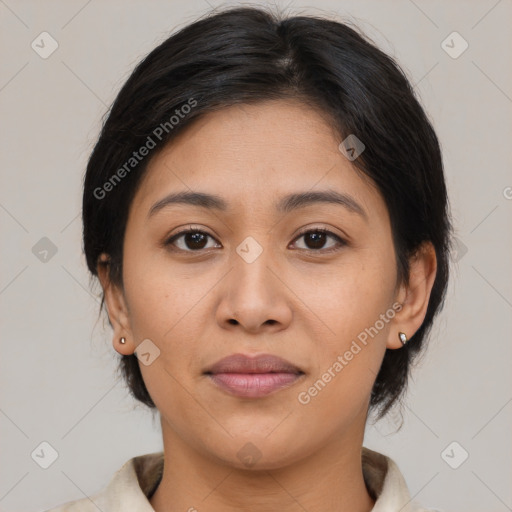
column 310, row 281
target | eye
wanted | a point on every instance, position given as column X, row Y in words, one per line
column 317, row 237
column 193, row 240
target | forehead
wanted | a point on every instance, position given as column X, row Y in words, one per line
column 252, row 155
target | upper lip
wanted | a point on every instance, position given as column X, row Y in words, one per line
column 262, row 363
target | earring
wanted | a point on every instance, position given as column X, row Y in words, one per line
column 403, row 338
column 122, row 340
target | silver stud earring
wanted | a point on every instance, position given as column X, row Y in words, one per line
column 122, row 340
column 403, row 338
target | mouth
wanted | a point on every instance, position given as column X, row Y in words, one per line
column 253, row 376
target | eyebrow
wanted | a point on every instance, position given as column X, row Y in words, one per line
column 286, row 204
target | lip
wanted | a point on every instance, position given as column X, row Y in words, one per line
column 253, row 376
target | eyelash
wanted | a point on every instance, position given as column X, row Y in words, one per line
column 340, row 241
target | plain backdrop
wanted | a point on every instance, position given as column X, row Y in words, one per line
column 58, row 381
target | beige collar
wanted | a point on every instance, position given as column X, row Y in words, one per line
column 130, row 487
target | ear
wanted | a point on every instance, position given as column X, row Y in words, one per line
column 116, row 308
column 414, row 296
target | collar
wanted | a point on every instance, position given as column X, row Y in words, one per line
column 133, row 484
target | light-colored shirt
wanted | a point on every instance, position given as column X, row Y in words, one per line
column 132, row 486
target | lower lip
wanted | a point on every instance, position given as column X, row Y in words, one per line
column 253, row 385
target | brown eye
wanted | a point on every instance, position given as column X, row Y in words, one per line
column 315, row 240
column 193, row 240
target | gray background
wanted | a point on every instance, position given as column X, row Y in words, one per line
column 57, row 368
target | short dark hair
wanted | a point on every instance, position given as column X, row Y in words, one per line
column 250, row 55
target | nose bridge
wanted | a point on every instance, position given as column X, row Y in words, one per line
column 251, row 260
column 254, row 251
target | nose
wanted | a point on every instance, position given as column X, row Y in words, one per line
column 254, row 296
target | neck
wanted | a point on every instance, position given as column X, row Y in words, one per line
column 330, row 479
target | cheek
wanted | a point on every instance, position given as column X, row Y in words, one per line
column 158, row 297
column 354, row 305
column 169, row 307
column 352, row 296
column 347, row 361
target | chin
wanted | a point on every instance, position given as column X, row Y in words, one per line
column 258, row 452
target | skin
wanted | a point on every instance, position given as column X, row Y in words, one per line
column 295, row 300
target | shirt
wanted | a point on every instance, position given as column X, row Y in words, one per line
column 131, row 487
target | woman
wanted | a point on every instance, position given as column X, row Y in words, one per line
column 266, row 211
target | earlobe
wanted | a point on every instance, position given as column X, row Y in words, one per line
column 122, row 346
column 402, row 337
column 116, row 308
column 416, row 296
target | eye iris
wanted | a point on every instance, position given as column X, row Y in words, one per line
column 198, row 240
column 317, row 237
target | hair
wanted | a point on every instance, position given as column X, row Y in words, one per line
column 247, row 55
